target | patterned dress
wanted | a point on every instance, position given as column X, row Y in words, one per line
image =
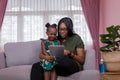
column 47, row 66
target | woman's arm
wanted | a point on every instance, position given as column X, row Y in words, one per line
column 80, row 52
column 79, row 56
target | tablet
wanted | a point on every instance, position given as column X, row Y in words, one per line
column 57, row 51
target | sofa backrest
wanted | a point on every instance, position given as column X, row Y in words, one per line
column 27, row 53
column 22, row 53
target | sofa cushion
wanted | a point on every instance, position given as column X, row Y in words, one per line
column 82, row 75
column 22, row 53
column 16, row 73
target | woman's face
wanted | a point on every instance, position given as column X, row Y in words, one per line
column 63, row 31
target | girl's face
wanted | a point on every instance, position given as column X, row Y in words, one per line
column 63, row 31
column 51, row 33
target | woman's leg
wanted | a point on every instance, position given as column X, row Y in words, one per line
column 66, row 66
column 47, row 75
column 53, row 75
column 37, row 72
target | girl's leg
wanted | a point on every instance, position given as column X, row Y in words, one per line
column 47, row 75
column 53, row 75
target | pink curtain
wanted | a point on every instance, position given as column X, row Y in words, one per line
column 91, row 12
column 3, row 4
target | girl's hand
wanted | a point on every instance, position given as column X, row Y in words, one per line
column 66, row 52
column 50, row 58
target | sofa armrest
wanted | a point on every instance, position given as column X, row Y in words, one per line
column 2, row 60
column 89, row 75
column 82, row 75
column 90, row 60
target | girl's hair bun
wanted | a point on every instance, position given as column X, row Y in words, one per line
column 47, row 25
column 52, row 25
column 55, row 25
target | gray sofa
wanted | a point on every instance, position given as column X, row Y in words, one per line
column 17, row 59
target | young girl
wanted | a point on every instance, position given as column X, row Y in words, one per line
column 48, row 61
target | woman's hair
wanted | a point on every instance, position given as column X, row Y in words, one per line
column 69, row 24
column 50, row 26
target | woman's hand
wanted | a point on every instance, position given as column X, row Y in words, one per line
column 66, row 52
column 80, row 56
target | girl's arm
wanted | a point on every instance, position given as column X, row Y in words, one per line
column 44, row 54
column 46, row 57
column 43, row 49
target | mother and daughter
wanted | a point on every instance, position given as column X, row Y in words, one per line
column 49, row 68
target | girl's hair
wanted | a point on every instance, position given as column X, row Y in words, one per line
column 50, row 26
column 69, row 24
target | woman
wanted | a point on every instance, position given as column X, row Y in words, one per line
column 74, row 49
column 74, row 52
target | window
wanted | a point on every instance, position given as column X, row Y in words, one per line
column 25, row 19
